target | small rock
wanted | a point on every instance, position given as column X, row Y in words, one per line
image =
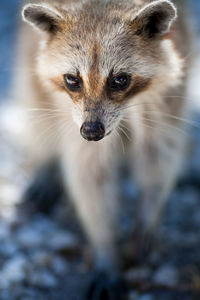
column 4, row 231
column 8, row 248
column 63, row 241
column 146, row 297
column 14, row 270
column 43, row 279
column 41, row 259
column 44, row 225
column 30, row 238
column 59, row 266
column 166, row 275
column 138, row 274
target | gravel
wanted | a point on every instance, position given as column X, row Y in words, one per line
column 41, row 257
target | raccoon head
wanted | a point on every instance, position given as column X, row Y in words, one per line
column 101, row 56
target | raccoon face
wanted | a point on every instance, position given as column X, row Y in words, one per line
column 101, row 56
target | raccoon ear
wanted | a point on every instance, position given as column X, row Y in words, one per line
column 42, row 16
column 154, row 19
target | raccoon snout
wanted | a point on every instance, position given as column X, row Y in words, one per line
column 92, row 131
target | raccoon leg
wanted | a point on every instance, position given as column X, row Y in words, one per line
column 105, row 288
column 157, row 165
column 89, row 177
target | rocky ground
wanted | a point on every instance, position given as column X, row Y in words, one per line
column 47, row 258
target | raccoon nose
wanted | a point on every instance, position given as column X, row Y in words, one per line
column 92, row 131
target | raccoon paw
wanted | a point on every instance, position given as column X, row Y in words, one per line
column 104, row 287
column 143, row 245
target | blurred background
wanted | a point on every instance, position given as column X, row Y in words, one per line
column 55, row 267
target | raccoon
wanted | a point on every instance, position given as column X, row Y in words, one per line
column 99, row 70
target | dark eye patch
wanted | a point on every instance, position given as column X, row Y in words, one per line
column 119, row 82
column 73, row 83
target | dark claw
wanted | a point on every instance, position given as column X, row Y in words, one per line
column 143, row 245
column 104, row 287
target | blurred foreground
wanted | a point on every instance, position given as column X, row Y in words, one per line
column 46, row 258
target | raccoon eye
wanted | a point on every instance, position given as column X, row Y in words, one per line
column 120, row 82
column 73, row 83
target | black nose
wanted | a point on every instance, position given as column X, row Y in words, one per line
column 92, row 131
